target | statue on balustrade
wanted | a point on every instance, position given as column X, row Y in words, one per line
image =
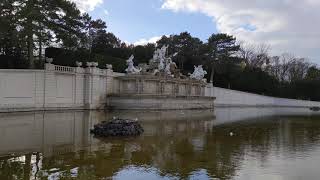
column 131, row 69
column 198, row 73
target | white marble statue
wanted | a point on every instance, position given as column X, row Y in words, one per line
column 170, row 67
column 79, row 64
column 159, row 56
column 131, row 69
column 164, row 63
column 161, row 65
column 167, row 68
column 198, row 73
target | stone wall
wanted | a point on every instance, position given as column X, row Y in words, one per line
column 158, row 92
column 227, row 97
column 55, row 87
column 60, row 87
column 158, row 85
column 156, row 102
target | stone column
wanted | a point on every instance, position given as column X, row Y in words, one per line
column 79, row 90
column 92, row 93
column 50, row 86
column 110, row 81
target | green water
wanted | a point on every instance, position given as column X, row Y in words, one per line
column 227, row 143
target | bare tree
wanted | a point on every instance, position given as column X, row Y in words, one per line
column 246, row 51
column 298, row 69
column 254, row 55
column 288, row 68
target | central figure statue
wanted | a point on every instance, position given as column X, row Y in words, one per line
column 161, row 63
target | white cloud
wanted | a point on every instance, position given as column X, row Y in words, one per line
column 87, row 5
column 287, row 25
column 146, row 41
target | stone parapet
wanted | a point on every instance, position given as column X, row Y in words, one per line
column 159, row 102
column 157, row 85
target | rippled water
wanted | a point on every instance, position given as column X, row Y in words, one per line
column 227, row 143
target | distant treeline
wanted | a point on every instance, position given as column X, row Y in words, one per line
column 30, row 31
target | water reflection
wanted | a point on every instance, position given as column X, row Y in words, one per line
column 229, row 143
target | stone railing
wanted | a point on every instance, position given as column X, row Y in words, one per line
column 67, row 69
column 64, row 69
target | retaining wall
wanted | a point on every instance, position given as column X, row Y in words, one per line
column 227, row 97
column 55, row 87
column 61, row 87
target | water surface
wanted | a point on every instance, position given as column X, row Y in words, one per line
column 227, row 143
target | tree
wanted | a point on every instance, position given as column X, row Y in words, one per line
column 313, row 73
column 10, row 45
column 298, row 69
column 220, row 47
column 95, row 30
column 280, row 66
column 254, row 55
column 105, row 42
column 288, row 68
column 143, row 53
column 185, row 47
column 35, row 24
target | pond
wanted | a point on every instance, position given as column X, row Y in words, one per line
column 226, row 143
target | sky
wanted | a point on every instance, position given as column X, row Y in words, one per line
column 288, row 26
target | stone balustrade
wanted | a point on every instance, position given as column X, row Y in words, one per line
column 64, row 69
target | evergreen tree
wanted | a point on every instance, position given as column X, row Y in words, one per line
column 220, row 47
column 186, row 48
column 35, row 24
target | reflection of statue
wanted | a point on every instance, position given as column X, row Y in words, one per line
column 198, row 73
column 131, row 69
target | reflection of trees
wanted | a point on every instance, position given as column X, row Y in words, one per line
column 178, row 148
column 15, row 167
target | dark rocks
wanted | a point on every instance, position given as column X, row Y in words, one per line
column 118, row 127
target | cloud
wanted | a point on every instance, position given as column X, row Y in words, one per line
column 287, row 25
column 87, row 5
column 146, row 41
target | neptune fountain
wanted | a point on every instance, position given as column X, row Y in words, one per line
column 160, row 85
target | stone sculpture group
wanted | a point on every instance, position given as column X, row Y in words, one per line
column 162, row 64
column 131, row 69
column 198, row 73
